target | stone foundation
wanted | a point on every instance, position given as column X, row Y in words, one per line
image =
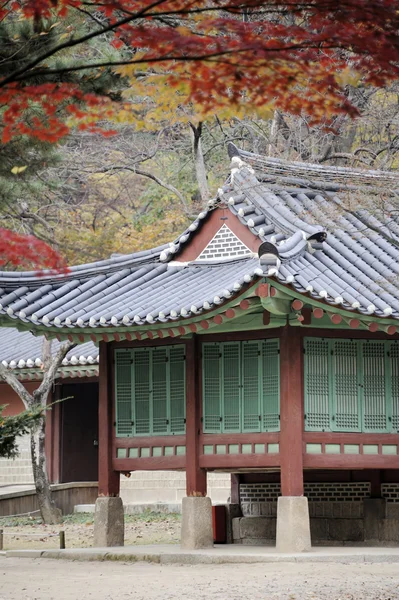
column 196, row 526
column 340, row 513
column 109, row 523
column 371, row 522
column 292, row 527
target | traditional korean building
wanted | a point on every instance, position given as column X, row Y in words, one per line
column 262, row 341
column 71, row 427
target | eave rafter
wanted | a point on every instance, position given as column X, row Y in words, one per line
column 309, row 311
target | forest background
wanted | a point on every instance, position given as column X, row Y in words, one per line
column 132, row 174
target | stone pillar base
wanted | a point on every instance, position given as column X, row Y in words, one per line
column 293, row 525
column 373, row 514
column 196, row 525
column 109, row 522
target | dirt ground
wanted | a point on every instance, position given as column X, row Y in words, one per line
column 148, row 528
column 41, row 579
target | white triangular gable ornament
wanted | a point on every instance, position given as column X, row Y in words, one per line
column 225, row 245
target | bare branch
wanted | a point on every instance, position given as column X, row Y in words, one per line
column 51, row 371
column 10, row 378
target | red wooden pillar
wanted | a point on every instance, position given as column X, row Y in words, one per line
column 108, row 479
column 195, row 477
column 291, row 411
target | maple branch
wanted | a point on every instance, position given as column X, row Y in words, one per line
column 71, row 43
column 205, row 57
column 145, row 13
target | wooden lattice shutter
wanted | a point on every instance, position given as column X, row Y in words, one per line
column 317, row 389
column 123, row 392
column 374, row 399
column 160, row 390
column 231, row 386
column 345, row 382
column 270, row 392
column 177, row 390
column 394, row 369
column 142, row 391
column 211, row 383
column 251, row 386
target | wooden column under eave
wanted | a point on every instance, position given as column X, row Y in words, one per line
column 108, row 479
column 291, row 411
column 195, row 476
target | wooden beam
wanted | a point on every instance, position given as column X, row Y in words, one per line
column 233, row 462
column 108, row 479
column 195, row 476
column 348, row 333
column 291, row 411
column 262, row 290
column 297, row 304
column 335, row 318
column 161, row 463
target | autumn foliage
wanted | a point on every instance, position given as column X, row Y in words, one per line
column 28, row 252
column 225, row 56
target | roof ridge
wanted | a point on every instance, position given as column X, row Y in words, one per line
column 282, row 168
column 107, row 265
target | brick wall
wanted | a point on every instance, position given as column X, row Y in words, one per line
column 18, row 470
column 390, row 491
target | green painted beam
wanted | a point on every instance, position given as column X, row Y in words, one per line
column 292, row 294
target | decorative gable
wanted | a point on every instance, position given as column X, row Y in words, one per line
column 224, row 245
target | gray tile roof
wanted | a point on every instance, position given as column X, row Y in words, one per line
column 140, row 294
column 22, row 350
column 357, row 267
column 328, row 238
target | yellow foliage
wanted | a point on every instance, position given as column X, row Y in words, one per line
column 347, row 77
column 18, row 170
column 81, row 241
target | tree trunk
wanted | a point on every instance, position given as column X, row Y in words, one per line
column 50, row 513
column 199, row 163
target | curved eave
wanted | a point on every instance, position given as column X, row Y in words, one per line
column 243, row 302
column 351, row 318
column 81, row 371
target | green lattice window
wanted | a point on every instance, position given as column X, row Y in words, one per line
column 241, row 386
column 150, row 391
column 351, row 385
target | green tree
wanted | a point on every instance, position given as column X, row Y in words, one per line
column 12, row 427
column 25, row 196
